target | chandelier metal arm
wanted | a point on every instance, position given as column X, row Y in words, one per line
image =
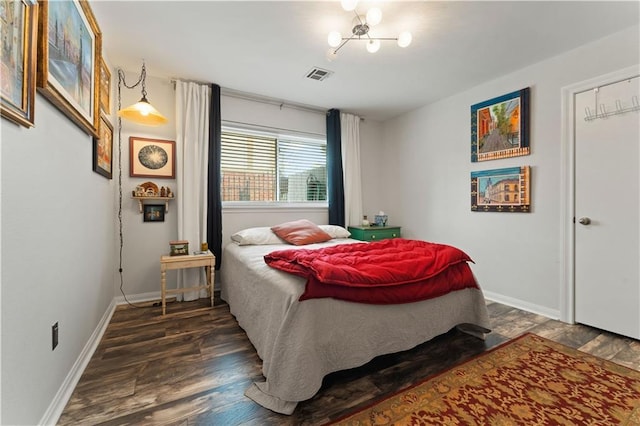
column 358, row 17
column 344, row 41
column 368, row 38
column 372, row 38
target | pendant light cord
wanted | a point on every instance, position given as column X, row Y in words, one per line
column 121, row 82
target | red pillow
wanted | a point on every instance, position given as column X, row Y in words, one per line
column 301, row 232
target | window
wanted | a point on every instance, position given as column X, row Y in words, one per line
column 262, row 167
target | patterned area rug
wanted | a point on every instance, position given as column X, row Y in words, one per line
column 526, row 381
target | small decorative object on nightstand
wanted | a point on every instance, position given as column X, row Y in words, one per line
column 374, row 233
column 178, row 248
column 381, row 219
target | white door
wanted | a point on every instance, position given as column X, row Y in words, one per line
column 607, row 209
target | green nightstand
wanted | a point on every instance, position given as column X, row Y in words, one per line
column 374, row 233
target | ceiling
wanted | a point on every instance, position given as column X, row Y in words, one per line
column 267, row 47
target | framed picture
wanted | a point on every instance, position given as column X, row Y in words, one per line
column 18, row 66
column 69, row 51
column 152, row 158
column 500, row 127
column 103, row 149
column 501, row 190
column 105, row 87
column 153, row 213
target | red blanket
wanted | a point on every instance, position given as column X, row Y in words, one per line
column 382, row 272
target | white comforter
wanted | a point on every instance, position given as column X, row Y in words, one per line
column 301, row 342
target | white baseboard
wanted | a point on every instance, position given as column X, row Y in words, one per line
column 56, row 407
column 520, row 304
column 141, row 297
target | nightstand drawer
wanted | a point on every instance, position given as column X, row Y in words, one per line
column 374, row 233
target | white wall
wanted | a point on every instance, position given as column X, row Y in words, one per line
column 57, row 257
column 145, row 242
column 236, row 110
column 518, row 256
column 372, row 167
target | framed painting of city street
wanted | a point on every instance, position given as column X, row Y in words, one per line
column 105, row 87
column 501, row 190
column 69, row 52
column 500, row 127
column 18, row 66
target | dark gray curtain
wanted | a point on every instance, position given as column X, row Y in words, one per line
column 214, row 208
column 335, row 184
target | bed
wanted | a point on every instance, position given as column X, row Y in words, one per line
column 300, row 342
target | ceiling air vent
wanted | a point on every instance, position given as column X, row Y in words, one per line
column 318, row 74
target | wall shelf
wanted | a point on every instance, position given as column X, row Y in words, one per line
column 165, row 199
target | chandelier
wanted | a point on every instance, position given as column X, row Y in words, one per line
column 361, row 26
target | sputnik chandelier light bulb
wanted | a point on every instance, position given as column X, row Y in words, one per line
column 361, row 26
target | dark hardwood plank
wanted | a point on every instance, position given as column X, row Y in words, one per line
column 192, row 366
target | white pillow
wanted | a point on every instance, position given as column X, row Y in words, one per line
column 256, row 236
column 335, row 231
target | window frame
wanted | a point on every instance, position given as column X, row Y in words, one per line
column 266, row 206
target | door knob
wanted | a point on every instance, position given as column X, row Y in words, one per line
column 584, row 221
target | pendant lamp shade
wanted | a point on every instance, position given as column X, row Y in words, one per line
column 143, row 112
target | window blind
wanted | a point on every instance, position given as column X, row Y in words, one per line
column 265, row 169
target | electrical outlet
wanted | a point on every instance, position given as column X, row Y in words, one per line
column 54, row 336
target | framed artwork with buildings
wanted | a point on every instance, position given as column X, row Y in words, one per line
column 18, row 71
column 103, row 149
column 501, row 190
column 152, row 158
column 69, row 52
column 500, row 127
column 105, row 87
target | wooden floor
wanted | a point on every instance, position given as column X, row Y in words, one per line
column 192, row 366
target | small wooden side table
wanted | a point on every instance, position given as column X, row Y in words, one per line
column 167, row 263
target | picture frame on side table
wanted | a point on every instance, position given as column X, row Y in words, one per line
column 103, row 149
column 501, row 190
column 153, row 158
column 69, row 51
column 500, row 127
column 18, row 66
column 153, row 213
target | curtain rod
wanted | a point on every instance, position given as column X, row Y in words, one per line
column 279, row 129
column 232, row 93
column 271, row 101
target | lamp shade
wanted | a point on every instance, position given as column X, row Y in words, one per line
column 373, row 46
column 349, row 5
column 374, row 16
column 404, row 39
column 143, row 112
column 332, row 55
column 334, row 39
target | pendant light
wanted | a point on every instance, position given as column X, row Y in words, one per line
column 142, row 112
